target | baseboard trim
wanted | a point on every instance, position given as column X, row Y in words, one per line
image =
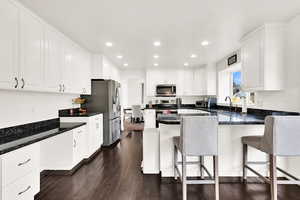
column 74, row 169
column 112, row 145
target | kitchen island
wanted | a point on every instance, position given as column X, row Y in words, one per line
column 232, row 126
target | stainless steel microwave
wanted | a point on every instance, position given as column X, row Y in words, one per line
column 166, row 90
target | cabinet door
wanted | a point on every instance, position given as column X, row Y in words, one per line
column 154, row 77
column 8, row 47
column 31, row 51
column 252, row 62
column 70, row 68
column 188, row 82
column 54, row 60
column 199, row 82
column 180, row 82
column 84, row 82
column 99, row 131
column 78, row 145
column 86, row 73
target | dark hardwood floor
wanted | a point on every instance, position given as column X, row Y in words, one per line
column 115, row 175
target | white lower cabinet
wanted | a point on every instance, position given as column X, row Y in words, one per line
column 23, row 189
column 20, row 173
column 94, row 132
column 64, row 151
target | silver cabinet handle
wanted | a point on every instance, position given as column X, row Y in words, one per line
column 25, row 162
column 64, row 87
column 60, row 88
column 75, row 144
column 28, row 188
column 17, row 82
column 23, row 83
column 97, row 125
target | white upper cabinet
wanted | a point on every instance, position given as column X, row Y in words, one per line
column 85, row 73
column 70, row 68
column 31, row 51
column 8, row 47
column 262, row 58
column 103, row 68
column 54, row 60
column 188, row 81
column 200, row 81
column 188, row 84
column 34, row 56
column 154, row 77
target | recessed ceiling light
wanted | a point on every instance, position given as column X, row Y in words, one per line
column 108, row 44
column 157, row 43
column 155, row 56
column 119, row 56
column 194, row 56
column 186, row 64
column 125, row 64
column 155, row 64
column 204, row 43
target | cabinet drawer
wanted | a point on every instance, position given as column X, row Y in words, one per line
column 18, row 163
column 23, row 189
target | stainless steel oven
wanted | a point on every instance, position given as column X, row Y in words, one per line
column 166, row 90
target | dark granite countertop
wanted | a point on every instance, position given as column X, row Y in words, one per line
column 224, row 118
column 225, row 115
column 13, row 138
column 76, row 113
column 88, row 114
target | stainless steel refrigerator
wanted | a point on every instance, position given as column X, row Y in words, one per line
column 105, row 98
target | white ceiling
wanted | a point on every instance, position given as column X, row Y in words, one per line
column 180, row 25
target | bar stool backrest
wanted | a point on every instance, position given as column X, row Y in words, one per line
column 199, row 135
column 136, row 111
column 282, row 135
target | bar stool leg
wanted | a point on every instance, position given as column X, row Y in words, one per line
column 245, row 160
column 175, row 161
column 273, row 177
column 216, row 176
column 201, row 158
column 184, row 185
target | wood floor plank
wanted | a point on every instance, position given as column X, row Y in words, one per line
column 115, row 174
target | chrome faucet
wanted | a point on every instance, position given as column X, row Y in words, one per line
column 230, row 102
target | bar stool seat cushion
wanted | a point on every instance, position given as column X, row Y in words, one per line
column 253, row 141
column 176, row 141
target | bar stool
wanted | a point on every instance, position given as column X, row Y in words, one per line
column 281, row 138
column 198, row 137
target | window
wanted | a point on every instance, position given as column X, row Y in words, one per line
column 236, row 82
column 230, row 84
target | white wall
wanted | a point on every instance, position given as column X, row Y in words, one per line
column 129, row 96
column 25, row 107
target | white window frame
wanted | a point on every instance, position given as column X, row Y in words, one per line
column 230, row 70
